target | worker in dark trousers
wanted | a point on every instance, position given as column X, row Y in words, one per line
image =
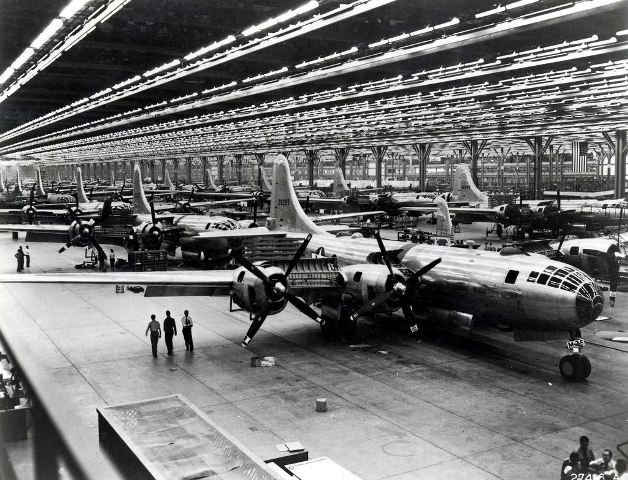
column 155, row 333
column 170, row 328
column 112, row 259
column 20, row 259
column 186, row 328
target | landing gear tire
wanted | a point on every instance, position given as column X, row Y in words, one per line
column 575, row 367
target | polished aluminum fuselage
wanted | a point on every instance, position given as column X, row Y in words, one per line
column 473, row 282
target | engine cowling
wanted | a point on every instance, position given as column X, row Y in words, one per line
column 365, row 282
column 81, row 230
column 150, row 234
column 29, row 213
column 249, row 292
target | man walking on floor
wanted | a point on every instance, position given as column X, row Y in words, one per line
column 155, row 333
column 186, row 329
column 170, row 328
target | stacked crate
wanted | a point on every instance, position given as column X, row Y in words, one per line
column 148, row 261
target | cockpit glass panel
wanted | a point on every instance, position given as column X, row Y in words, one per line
column 550, row 268
column 542, row 279
column 532, row 277
column 561, row 272
column 570, row 287
column 554, row 282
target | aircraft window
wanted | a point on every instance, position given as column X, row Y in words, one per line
column 533, row 276
column 241, row 275
column 569, row 269
column 568, row 286
column 501, row 209
column 357, row 276
column 561, row 272
column 574, row 250
column 554, row 282
column 370, row 290
column 543, row 279
column 511, row 276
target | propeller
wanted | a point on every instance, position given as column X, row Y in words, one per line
column 397, row 287
column 30, row 212
column 254, row 224
column 91, row 192
column 276, row 287
column 85, row 230
column 76, row 211
column 155, row 232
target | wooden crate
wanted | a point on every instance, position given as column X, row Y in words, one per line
column 148, row 261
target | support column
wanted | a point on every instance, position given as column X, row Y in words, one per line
column 474, row 147
column 188, row 171
column 239, row 157
column 260, row 164
column 164, row 165
column 379, row 152
column 204, row 166
column 175, row 171
column 501, row 159
column 538, row 148
column 620, row 163
column 341, row 159
column 422, row 151
column 151, row 169
column 220, row 159
column 312, row 157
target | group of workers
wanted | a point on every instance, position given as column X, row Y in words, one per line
column 23, row 255
column 582, row 464
column 170, row 330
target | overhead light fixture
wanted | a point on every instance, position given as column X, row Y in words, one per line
column 487, row 13
column 6, row 74
column 47, row 33
column 450, row 23
column 72, row 7
column 281, row 18
column 161, row 68
column 24, row 56
column 520, row 3
column 209, row 48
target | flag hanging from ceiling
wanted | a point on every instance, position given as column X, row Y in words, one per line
column 579, row 152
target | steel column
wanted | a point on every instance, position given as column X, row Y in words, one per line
column 312, row 157
column 175, row 171
column 538, row 149
column 474, row 148
column 620, row 163
column 341, row 158
column 422, row 151
column 221, row 169
column 379, row 152
column 260, row 164
column 239, row 157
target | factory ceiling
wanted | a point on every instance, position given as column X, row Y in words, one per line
column 114, row 79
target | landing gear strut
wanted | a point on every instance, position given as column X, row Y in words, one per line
column 575, row 367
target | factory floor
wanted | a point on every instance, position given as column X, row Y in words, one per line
column 398, row 408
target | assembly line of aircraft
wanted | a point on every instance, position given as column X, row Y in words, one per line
column 533, row 296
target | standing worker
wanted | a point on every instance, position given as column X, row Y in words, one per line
column 186, row 328
column 112, row 259
column 20, row 259
column 27, row 255
column 155, row 333
column 170, row 327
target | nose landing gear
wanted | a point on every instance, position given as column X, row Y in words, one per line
column 575, row 367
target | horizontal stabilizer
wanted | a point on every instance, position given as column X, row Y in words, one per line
column 240, row 233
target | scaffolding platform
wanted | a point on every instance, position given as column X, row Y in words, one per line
column 169, row 438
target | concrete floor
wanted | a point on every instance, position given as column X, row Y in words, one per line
column 398, row 408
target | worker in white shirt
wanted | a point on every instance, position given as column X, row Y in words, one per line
column 186, row 329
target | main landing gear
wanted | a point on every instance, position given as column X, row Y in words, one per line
column 575, row 367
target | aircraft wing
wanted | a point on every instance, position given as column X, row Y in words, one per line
column 340, row 216
column 223, row 195
column 339, row 228
column 58, row 211
column 220, row 203
column 322, row 201
column 239, row 233
column 462, row 214
column 34, row 228
column 619, row 336
column 587, row 195
column 158, row 284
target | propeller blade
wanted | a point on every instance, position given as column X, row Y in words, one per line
column 426, row 268
column 71, row 243
column 372, row 304
column 190, row 197
column 258, row 320
column 304, row 308
column 382, row 249
column 298, row 255
column 248, row 265
column 152, row 212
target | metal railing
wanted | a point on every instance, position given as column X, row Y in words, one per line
column 55, row 437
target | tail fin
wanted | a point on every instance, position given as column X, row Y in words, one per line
column 267, row 185
column 1, row 180
column 210, row 180
column 464, row 189
column 340, row 186
column 74, row 178
column 80, row 191
column 40, row 186
column 444, row 227
column 167, row 181
column 284, row 204
column 58, row 176
column 18, row 181
column 112, row 181
column 140, row 203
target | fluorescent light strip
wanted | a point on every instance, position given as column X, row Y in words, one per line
column 72, row 8
column 47, row 33
column 463, row 75
column 342, row 12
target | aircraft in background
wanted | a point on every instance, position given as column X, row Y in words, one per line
column 538, row 299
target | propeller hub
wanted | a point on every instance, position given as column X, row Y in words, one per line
column 279, row 288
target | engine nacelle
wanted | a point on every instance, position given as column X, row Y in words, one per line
column 447, row 319
column 29, row 213
column 81, row 231
column 151, row 235
column 249, row 292
column 366, row 281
